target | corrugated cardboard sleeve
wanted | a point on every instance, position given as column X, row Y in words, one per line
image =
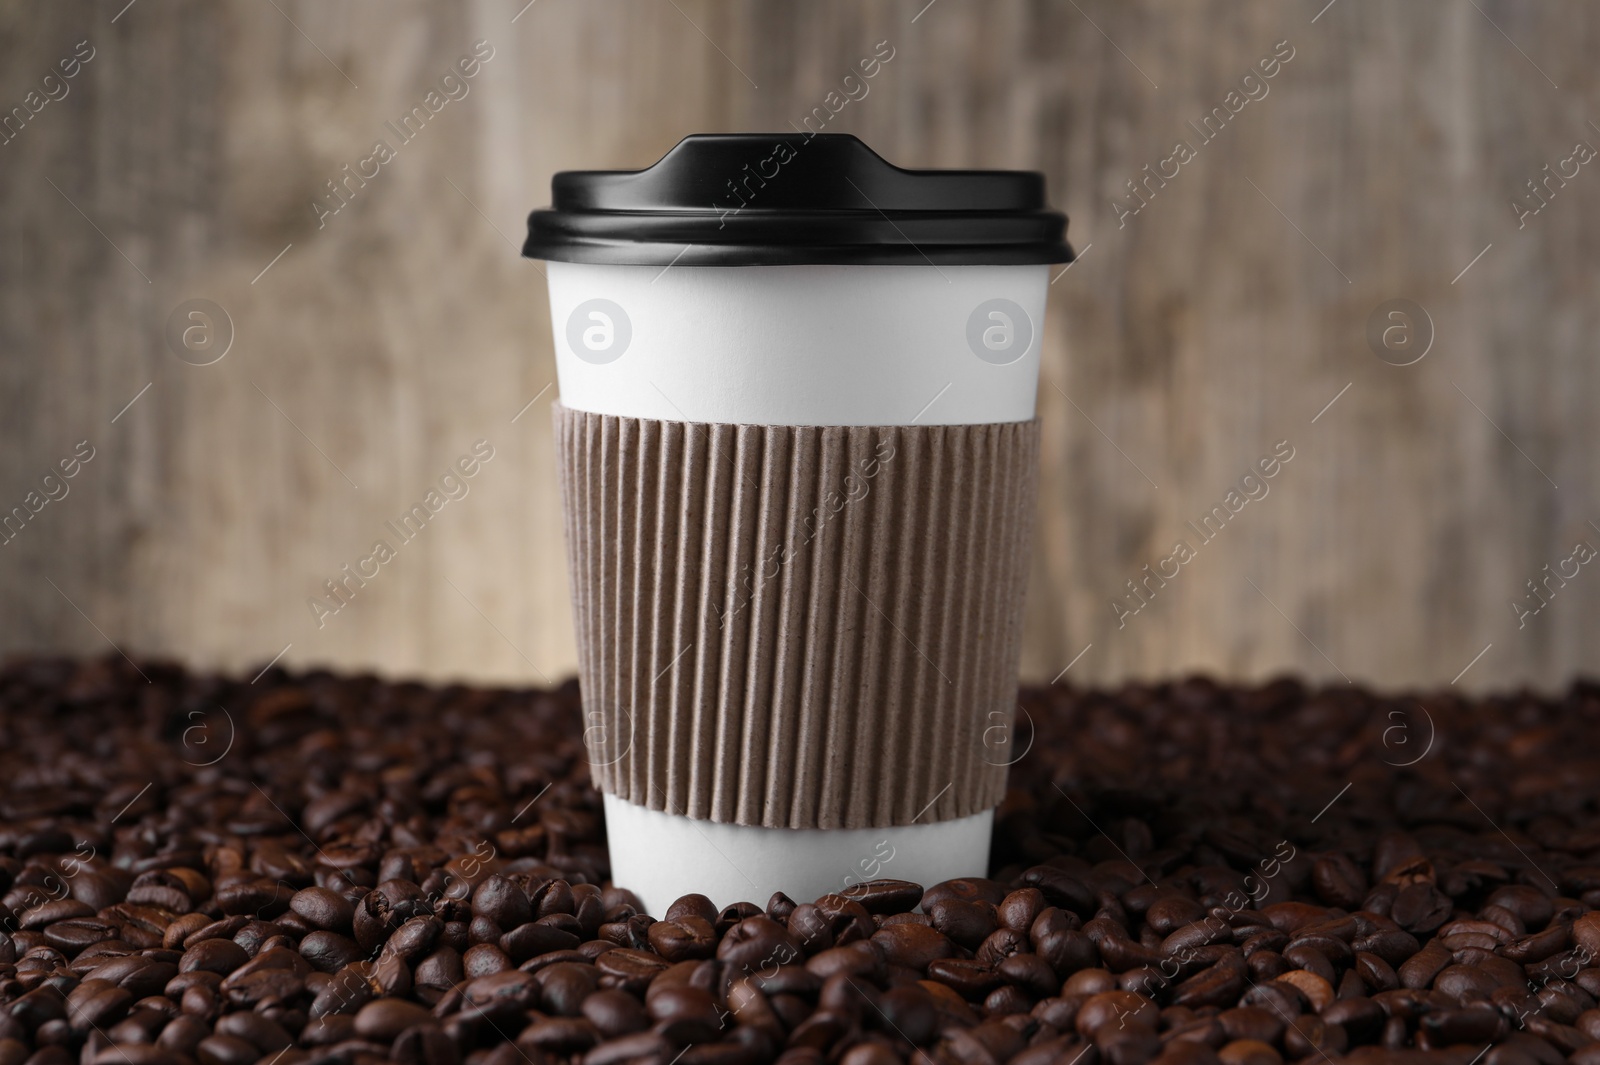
column 798, row 627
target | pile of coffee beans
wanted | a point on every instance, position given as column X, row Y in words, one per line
column 317, row 868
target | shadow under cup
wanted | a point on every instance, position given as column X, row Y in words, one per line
column 798, row 499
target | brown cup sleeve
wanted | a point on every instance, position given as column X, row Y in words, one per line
column 798, row 627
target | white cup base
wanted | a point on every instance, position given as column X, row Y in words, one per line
column 661, row 856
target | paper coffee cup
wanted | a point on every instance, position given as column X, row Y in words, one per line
column 798, row 461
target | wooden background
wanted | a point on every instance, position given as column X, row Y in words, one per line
column 1221, row 319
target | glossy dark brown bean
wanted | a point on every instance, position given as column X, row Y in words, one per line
column 213, row 955
column 683, row 938
column 967, row 922
column 383, row 1019
column 884, row 896
column 565, row 985
column 502, row 902
column 913, row 945
column 323, row 908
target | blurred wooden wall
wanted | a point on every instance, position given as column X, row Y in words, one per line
column 1185, row 343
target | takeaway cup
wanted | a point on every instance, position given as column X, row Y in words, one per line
column 798, row 457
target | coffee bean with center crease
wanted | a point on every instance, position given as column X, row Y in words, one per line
column 504, row 993
column 323, row 908
column 76, row 933
column 967, row 922
column 913, row 946
column 632, row 970
column 213, row 955
column 329, row 951
column 969, row 978
column 884, row 896
column 532, row 939
column 756, row 943
column 96, row 1004
column 502, row 901
column 683, row 938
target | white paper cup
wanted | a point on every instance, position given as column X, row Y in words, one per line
column 837, row 342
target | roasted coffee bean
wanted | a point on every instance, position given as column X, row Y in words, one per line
column 267, row 1036
column 226, row 1050
column 529, row 940
column 682, row 938
column 213, row 955
column 1311, row 1035
column 96, row 1004
column 615, row 1013
column 501, row 901
column 1535, row 909
column 685, row 1015
column 383, row 1019
column 1248, row 1052
column 632, row 970
column 564, row 986
column 485, row 959
column 971, row 889
column 329, row 951
column 424, row 1045
column 756, row 943
column 1217, row 985
column 503, row 994
column 323, row 908
column 968, row 922
column 559, row 1035
column 913, row 945
column 884, row 896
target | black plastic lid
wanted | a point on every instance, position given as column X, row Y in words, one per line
column 750, row 199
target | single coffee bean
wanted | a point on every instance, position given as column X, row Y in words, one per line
column 484, row 959
column 1248, row 1052
column 966, row 921
column 632, row 970
column 226, row 1050
column 383, row 1019
column 1172, row 912
column 501, row 901
column 416, row 937
column 685, row 1015
column 566, row 1036
column 266, row 1035
column 615, row 1013
column 971, row 979
column 1217, row 985
column 323, row 909
column 682, row 938
column 884, row 896
column 692, row 906
column 533, row 939
column 913, row 946
column 565, row 985
column 213, row 955
column 1535, row 909
column 96, row 1004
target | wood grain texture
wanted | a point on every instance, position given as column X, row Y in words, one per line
column 1184, row 344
